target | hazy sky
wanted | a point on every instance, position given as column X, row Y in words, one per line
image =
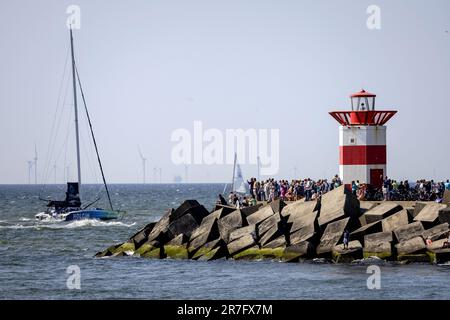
column 151, row 67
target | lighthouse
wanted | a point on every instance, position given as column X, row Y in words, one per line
column 362, row 140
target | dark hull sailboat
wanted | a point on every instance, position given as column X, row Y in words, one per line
column 71, row 208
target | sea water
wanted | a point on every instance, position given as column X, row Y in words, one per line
column 35, row 257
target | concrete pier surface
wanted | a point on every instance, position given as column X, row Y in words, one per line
column 295, row 231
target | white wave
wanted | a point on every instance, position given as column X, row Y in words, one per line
column 25, row 219
column 90, row 223
column 16, row 226
column 58, row 224
column 369, row 260
column 319, row 260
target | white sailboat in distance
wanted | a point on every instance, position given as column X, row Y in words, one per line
column 238, row 184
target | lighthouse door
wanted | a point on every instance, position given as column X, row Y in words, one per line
column 376, row 177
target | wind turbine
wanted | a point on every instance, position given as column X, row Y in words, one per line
column 160, row 175
column 35, row 163
column 154, row 174
column 143, row 164
column 185, row 173
column 30, row 167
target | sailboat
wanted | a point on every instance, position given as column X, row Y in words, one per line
column 238, row 184
column 71, row 208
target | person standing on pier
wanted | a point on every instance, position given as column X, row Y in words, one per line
column 354, row 188
column 346, row 238
column 251, row 184
column 308, row 188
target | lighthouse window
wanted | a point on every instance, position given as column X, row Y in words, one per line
column 366, row 104
column 363, row 103
column 352, row 140
column 363, row 106
column 355, row 104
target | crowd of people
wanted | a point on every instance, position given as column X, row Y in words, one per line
column 271, row 189
column 422, row 190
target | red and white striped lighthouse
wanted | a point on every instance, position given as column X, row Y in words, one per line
column 362, row 140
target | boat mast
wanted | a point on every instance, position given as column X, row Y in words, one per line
column 77, row 135
column 234, row 172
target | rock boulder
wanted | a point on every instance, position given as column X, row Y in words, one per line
column 230, row 223
column 186, row 224
column 444, row 215
column 383, row 210
column 430, row 213
column 298, row 209
column 260, row 215
column 408, row 231
column 412, row 245
column 295, row 252
column 338, row 204
column 241, row 244
column 353, row 252
column 378, row 245
column 331, row 236
column 436, row 232
column 395, row 221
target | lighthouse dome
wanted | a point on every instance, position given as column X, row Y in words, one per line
column 363, row 93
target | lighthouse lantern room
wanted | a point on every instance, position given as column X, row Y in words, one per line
column 362, row 140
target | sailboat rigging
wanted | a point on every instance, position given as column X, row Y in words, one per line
column 70, row 208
